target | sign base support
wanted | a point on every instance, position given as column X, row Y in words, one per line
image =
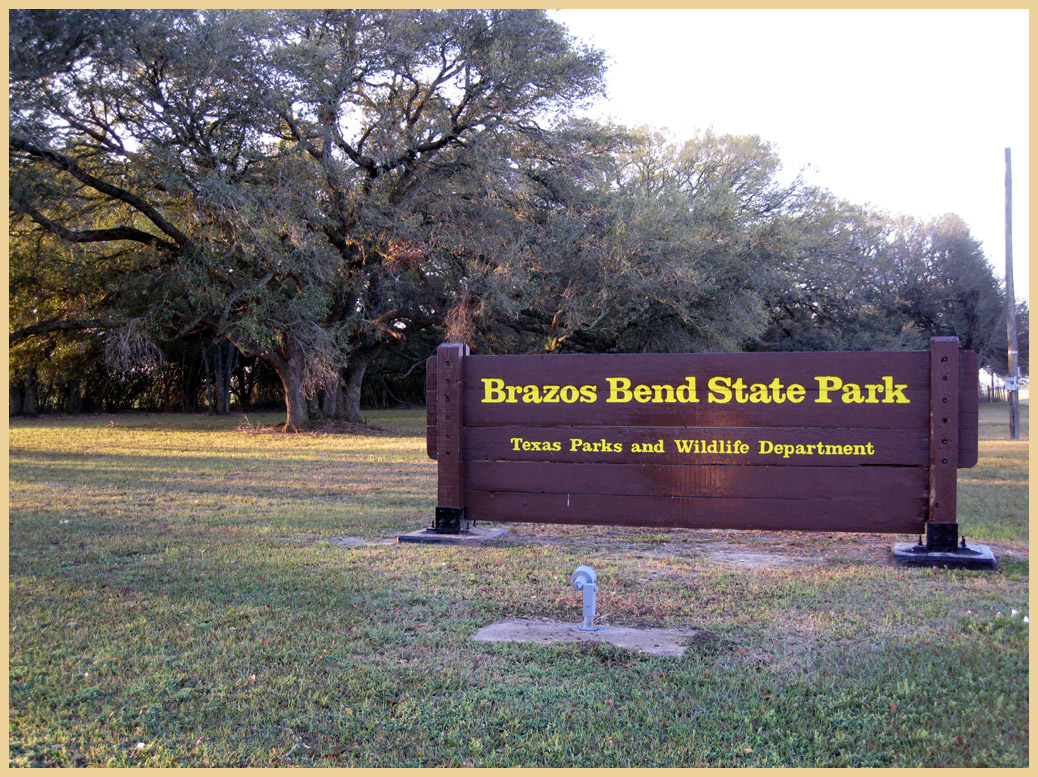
column 943, row 549
column 472, row 536
column 451, row 520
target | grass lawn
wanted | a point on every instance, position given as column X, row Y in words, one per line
column 182, row 594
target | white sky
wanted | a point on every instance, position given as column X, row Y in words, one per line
column 909, row 111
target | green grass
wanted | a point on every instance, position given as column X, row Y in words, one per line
column 993, row 495
column 176, row 599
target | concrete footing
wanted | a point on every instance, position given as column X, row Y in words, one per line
column 657, row 642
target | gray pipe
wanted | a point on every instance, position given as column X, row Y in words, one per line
column 584, row 580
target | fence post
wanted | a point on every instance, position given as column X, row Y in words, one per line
column 942, row 527
column 450, row 470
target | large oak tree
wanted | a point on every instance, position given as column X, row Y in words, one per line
column 293, row 181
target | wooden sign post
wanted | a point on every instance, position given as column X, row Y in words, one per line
column 855, row 442
column 448, row 380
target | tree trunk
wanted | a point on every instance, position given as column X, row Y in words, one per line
column 15, row 399
column 223, row 364
column 313, row 407
column 297, row 414
column 358, row 365
column 291, row 370
column 290, row 366
column 217, row 381
column 29, row 390
column 246, row 375
column 188, row 385
column 230, row 359
column 331, row 399
column 207, row 378
column 74, row 403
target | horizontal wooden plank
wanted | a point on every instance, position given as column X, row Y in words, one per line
column 698, row 446
column 743, row 389
column 875, row 515
column 842, row 483
column 908, row 367
column 915, row 415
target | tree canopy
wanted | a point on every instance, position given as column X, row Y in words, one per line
column 322, row 187
column 282, row 173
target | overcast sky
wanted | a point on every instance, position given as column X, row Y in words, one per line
column 909, row 111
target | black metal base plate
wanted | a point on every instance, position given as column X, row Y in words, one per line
column 451, row 520
column 474, row 536
column 974, row 557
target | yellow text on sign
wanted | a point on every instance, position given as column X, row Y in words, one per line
column 719, row 390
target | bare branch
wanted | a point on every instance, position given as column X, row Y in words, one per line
column 130, row 347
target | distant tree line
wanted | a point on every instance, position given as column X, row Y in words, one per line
column 214, row 208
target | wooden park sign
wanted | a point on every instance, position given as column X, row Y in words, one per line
column 854, row 442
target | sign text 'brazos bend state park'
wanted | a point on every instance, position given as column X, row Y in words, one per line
column 720, row 390
column 862, row 441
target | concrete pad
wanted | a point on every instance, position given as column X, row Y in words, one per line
column 473, row 536
column 355, row 542
column 656, row 642
column 769, row 560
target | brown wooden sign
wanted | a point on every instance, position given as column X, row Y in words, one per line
column 862, row 442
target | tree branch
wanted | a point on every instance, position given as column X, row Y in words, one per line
column 47, row 327
column 67, row 164
column 96, row 235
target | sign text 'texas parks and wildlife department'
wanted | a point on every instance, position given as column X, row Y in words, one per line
column 861, row 441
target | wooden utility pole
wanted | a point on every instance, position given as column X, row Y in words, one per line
column 1013, row 378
